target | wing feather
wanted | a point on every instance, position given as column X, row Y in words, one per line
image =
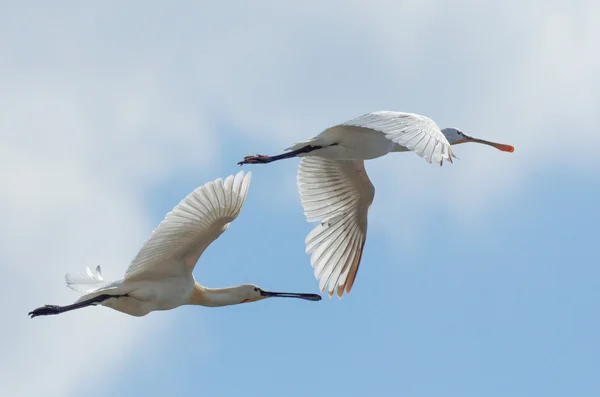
column 417, row 133
column 338, row 193
column 177, row 243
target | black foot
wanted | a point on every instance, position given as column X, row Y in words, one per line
column 45, row 311
column 258, row 159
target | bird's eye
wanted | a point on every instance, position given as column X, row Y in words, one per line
column 256, row 289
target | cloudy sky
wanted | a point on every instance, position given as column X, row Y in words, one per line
column 478, row 278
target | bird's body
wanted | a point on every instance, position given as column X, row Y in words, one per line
column 160, row 276
column 377, row 134
column 349, row 143
column 138, row 298
column 336, row 191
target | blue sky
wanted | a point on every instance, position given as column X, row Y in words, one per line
column 478, row 278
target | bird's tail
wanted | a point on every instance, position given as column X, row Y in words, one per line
column 86, row 283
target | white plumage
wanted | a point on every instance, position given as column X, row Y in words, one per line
column 176, row 244
column 87, row 282
column 338, row 193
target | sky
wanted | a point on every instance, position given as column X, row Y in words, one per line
column 478, row 278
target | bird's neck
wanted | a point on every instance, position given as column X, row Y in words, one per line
column 213, row 297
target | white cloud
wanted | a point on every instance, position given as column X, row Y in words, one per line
column 100, row 104
column 79, row 152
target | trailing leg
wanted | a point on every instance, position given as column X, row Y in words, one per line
column 262, row 159
column 54, row 309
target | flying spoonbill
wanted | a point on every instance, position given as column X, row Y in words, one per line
column 335, row 189
column 160, row 276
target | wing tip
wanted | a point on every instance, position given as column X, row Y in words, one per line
column 346, row 286
column 354, row 269
column 239, row 185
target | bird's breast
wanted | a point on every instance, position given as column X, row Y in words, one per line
column 167, row 294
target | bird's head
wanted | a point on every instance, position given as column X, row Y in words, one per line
column 456, row 136
column 253, row 293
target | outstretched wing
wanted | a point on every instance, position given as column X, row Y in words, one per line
column 176, row 244
column 338, row 193
column 412, row 131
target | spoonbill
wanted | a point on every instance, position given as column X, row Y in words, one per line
column 336, row 190
column 160, row 276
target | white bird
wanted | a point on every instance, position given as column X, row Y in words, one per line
column 160, row 276
column 335, row 189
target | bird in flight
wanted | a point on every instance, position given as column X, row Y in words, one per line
column 160, row 276
column 336, row 190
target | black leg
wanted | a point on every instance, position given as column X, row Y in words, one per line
column 262, row 159
column 53, row 309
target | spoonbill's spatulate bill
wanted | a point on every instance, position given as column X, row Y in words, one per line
column 336, row 190
column 160, row 276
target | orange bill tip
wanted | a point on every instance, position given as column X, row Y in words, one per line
column 505, row 148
